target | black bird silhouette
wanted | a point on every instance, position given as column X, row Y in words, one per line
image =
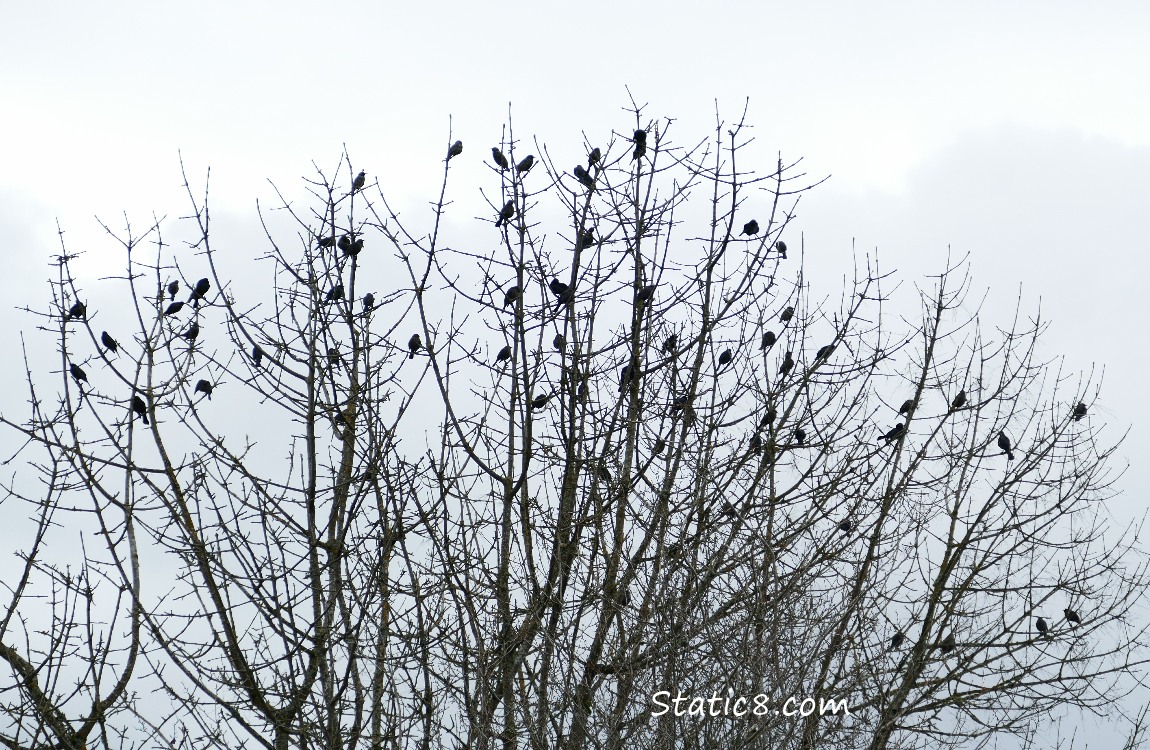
column 455, row 150
column 414, row 344
column 751, row 227
column 800, row 437
column 587, row 239
column 173, row 308
column 77, row 373
column 640, row 141
column 845, row 527
column 506, row 214
column 787, row 365
column 327, row 242
column 173, row 288
column 257, row 356
column 581, row 174
column 645, row 294
column 660, row 444
column 345, row 244
column 947, row 645
column 625, row 377
column 500, row 159
column 725, row 357
column 896, row 641
column 559, row 342
column 108, row 342
column 769, row 339
column 1004, row 444
column 78, row 310
column 895, row 433
column 356, row 247
column 1041, row 626
column 525, row 166
column 368, row 302
column 824, row 352
column 192, row 332
column 907, row 406
column 680, row 402
column 1072, row 617
column 333, row 358
column 504, row 354
column 640, row 136
column 782, row 248
column 959, row 401
column 787, row 314
column 511, row 296
column 558, row 288
column 540, row 401
column 204, row 387
column 593, row 157
column 1079, row 412
column 670, row 343
column 756, row 444
column 768, row 418
column 200, row 290
column 359, row 182
column 139, row 407
column 335, row 295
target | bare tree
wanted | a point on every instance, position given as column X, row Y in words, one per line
column 632, row 480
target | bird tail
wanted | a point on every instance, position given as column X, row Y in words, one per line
column 411, row 356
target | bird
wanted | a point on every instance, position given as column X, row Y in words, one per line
column 335, row 294
column 499, row 158
column 174, row 287
column 540, row 401
column 587, row 238
column 506, row 214
column 511, row 296
column 947, row 645
column 414, row 344
column 725, row 357
column 756, row 444
column 139, row 407
column 640, row 136
column 660, row 444
column 1041, row 626
column 504, row 354
column 173, row 308
column 558, row 288
column 359, row 182
column 670, row 343
column 1079, row 412
column 680, row 402
column 640, row 140
column 327, row 242
column 593, row 157
column 787, row 365
column 959, row 401
column 907, row 406
column 787, row 314
column 559, row 342
column 368, row 302
column 751, row 228
column 201, row 289
column 455, row 150
column 581, row 174
column 895, row 433
column 333, row 358
column 645, row 294
column 192, row 332
column 624, row 376
column 355, row 248
column 257, row 355
column 525, row 166
column 108, row 342
column 782, row 248
column 769, row 339
column 1004, row 444
column 896, row 641
column 824, row 352
column 800, row 437
column 1072, row 617
column 845, row 527
column 345, row 244
column 604, row 474
column 78, row 310
column 77, row 373
column 768, row 418
column 204, row 387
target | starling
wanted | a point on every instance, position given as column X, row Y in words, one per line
column 680, row 402
column 660, row 444
column 500, row 159
column 506, row 214
column 1072, row 617
column 1041, row 626
column 581, row 174
column 174, row 308
column 540, row 401
column 368, row 302
column 640, row 141
column 139, row 407
column 782, row 248
column 108, row 342
column 204, row 387
column 670, row 343
column 257, row 356
column 325, row 243
column 624, row 377
column 1004, row 444
column 787, row 365
column 587, row 239
column 725, row 357
column 756, row 444
column 201, row 289
column 192, row 332
column 511, row 296
column 559, row 342
column 558, row 288
column 78, row 310
column 800, row 437
column 768, row 418
column 824, row 352
column 640, row 136
column 345, row 244
column 947, row 644
column 335, row 295
column 895, row 433
column 751, row 228
column 845, row 527
column 333, row 358
column 593, row 157
column 174, row 288
column 959, row 401
column 356, row 247
column 907, row 406
column 645, row 294
column 414, row 344
column 896, row 641
column 504, row 354
column 769, row 339
column 787, row 314
column 1079, row 412
column 525, row 166
column 77, row 373
column 359, row 182
column 455, row 150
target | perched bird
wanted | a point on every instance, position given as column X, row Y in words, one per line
column 201, row 289
column 1072, row 617
column 257, row 356
column 593, row 157
column 756, row 444
column 78, row 310
column 540, row 401
column 414, row 344
column 558, row 288
column 660, row 444
column 625, row 375
column 1004, row 444
column 896, row 641
column 345, row 244
column 959, row 401
column 333, row 358
column 173, row 288
column 640, row 136
column 640, row 140
column 455, row 150
column 173, row 308
column 769, row 340
column 680, row 402
column 581, row 174
column 139, row 407
column 192, row 332
column 504, row 354
column 782, row 248
column 368, row 302
column 768, row 418
column 108, row 342
column 559, row 342
column 204, row 387
column 359, row 182
column 751, row 228
column 787, row 365
column 670, row 343
column 947, row 645
column 645, row 294
column 1079, row 412
column 800, row 437
column 895, row 433
column 845, row 527
column 506, row 214
column 77, row 373
column 1041, row 626
column 356, row 247
column 335, row 294
column 787, row 314
column 327, row 242
column 499, row 158
column 587, row 238
column 907, row 406
column 725, row 357
column 511, row 296
column 525, row 166
column 824, row 352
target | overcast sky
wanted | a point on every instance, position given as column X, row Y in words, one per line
column 1015, row 134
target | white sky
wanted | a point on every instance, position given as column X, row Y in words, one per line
column 1015, row 133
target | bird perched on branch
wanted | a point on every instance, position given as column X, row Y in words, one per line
column 455, row 150
column 345, row 244
column 204, row 387
column 680, row 402
column 824, row 352
column 800, row 437
column 782, row 248
column 257, row 356
column 751, row 228
column 200, row 291
column 787, row 314
column 895, row 433
column 504, row 354
column 725, row 358
column 173, row 308
column 525, row 166
column 587, row 238
column 1079, row 412
column 192, row 332
column 78, row 310
column 139, row 407
column 581, row 174
column 414, row 344
column 540, row 401
column 593, row 157
column 756, row 444
column 846, row 526
column 326, row 242
column 959, row 401
column 77, row 373
column 558, row 288
column 907, row 407
column 354, row 248
column 660, row 446
column 769, row 339
column 1072, row 617
column 1041, row 626
column 108, row 342
column 896, row 641
column 173, row 288
column 787, row 365
column 640, row 141
column 506, row 214
column 768, row 418
column 359, row 182
column 625, row 376
column 645, row 294
column 511, row 296
column 559, row 342
column 368, row 302
column 947, row 645
column 499, row 158
column 670, row 343
column 335, row 294
column 1004, row 444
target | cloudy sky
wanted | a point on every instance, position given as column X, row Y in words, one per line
column 1015, row 135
